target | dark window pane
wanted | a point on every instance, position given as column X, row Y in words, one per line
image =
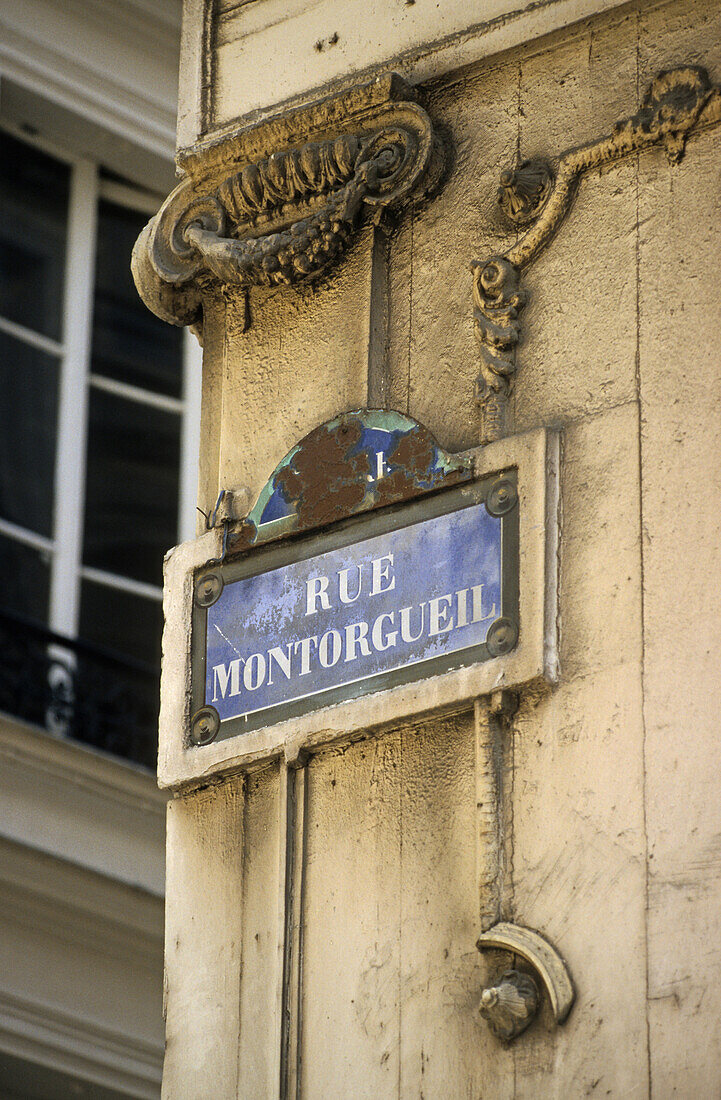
column 83, row 689
column 28, row 415
column 121, row 621
column 34, row 191
column 26, row 580
column 131, row 511
column 129, row 343
column 117, row 693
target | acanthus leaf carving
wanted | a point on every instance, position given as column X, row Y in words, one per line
column 285, row 218
column 676, row 102
column 498, row 301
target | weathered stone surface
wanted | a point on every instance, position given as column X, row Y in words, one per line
column 600, row 607
column 435, row 365
column 203, row 944
column 257, row 867
column 573, row 306
column 301, row 362
column 389, row 917
column 679, row 310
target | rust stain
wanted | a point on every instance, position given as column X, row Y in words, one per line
column 327, row 478
column 330, row 477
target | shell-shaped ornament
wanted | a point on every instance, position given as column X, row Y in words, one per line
column 509, row 1006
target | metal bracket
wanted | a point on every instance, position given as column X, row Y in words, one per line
column 539, row 953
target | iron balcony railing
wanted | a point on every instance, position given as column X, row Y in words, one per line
column 78, row 690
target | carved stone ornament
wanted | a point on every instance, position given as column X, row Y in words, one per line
column 677, row 102
column 498, row 301
column 508, row 1007
column 285, row 217
column 525, row 190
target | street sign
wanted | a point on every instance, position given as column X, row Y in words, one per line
column 377, row 579
column 421, row 589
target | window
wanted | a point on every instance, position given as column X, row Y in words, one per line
column 98, row 452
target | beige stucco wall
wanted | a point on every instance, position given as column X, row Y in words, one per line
column 610, row 784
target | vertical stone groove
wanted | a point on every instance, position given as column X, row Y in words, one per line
column 293, row 801
column 377, row 388
column 494, row 848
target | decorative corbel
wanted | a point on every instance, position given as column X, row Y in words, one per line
column 283, row 218
column 676, row 103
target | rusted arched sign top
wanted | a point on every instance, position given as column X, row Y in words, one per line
column 359, row 461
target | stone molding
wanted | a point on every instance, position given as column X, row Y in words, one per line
column 79, row 768
column 91, row 70
column 677, row 102
column 57, row 907
column 428, row 43
column 69, row 1043
column 80, row 906
column 289, row 215
column 75, row 804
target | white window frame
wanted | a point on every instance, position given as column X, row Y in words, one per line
column 75, row 379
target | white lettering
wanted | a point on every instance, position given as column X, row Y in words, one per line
column 254, row 671
column 462, row 607
column 380, row 569
column 357, row 640
column 406, row 623
column 316, row 588
column 478, row 615
column 281, row 658
column 343, row 584
column 337, row 642
column 376, row 633
column 437, row 615
column 380, row 465
column 356, row 635
column 223, row 676
column 304, row 645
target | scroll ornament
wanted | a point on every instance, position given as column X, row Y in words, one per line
column 283, row 219
column 540, row 193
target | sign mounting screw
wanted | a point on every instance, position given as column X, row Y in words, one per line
column 208, row 588
column 502, row 497
column 502, row 637
column 204, row 726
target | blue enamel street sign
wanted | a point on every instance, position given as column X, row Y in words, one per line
column 377, row 601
